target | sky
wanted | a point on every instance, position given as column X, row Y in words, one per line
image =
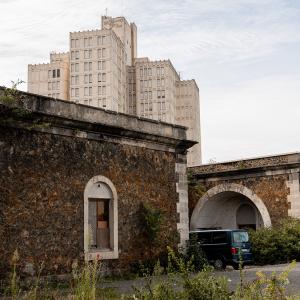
column 244, row 55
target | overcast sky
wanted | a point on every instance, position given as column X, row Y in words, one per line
column 244, row 55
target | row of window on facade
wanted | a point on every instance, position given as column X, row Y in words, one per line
column 148, row 83
column 54, row 95
column 148, row 94
column 88, row 78
column 88, row 91
column 54, row 85
column 161, row 106
column 87, row 54
column 89, row 41
column 159, row 116
column 144, row 72
column 88, row 66
column 55, row 73
column 101, row 102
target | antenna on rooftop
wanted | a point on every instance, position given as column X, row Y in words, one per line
column 106, row 12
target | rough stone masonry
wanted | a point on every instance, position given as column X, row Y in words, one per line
column 49, row 151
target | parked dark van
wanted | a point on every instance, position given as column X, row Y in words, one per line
column 222, row 246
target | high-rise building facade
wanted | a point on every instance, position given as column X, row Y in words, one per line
column 102, row 69
column 51, row 79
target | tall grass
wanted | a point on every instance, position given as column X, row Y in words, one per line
column 85, row 281
column 14, row 278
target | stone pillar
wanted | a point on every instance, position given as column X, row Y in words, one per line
column 294, row 196
column 182, row 204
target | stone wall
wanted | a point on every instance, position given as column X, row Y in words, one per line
column 43, row 174
column 273, row 179
column 272, row 190
column 252, row 163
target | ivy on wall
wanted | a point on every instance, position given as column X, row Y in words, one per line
column 151, row 221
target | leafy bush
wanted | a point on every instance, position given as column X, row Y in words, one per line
column 278, row 244
column 195, row 253
column 151, row 220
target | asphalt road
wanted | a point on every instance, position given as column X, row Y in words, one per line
column 126, row 286
column 250, row 275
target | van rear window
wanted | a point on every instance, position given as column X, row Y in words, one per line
column 204, row 237
column 219, row 237
column 240, row 237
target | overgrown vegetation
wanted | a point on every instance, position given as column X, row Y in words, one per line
column 196, row 188
column 15, row 105
column 176, row 281
column 181, row 283
column 278, row 244
column 85, row 281
column 151, row 220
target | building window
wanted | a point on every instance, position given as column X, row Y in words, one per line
column 149, row 72
column 101, row 40
column 54, row 73
column 88, row 66
column 102, row 90
column 101, row 53
column 101, row 65
column 74, row 43
column 88, row 78
column 100, row 219
column 88, row 91
column 158, row 71
column 49, row 74
column 102, row 102
column 77, row 92
column 101, row 77
column 88, row 42
column 87, row 54
column 74, row 55
column 75, row 67
column 74, row 80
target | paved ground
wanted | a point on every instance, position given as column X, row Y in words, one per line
column 126, row 286
column 250, row 275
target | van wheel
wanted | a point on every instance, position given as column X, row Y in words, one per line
column 219, row 264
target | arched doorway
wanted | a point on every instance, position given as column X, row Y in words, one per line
column 246, row 216
column 230, row 206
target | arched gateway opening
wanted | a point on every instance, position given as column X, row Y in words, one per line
column 230, row 206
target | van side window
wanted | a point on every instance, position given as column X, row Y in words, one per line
column 219, row 237
column 204, row 237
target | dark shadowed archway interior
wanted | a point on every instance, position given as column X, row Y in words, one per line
column 228, row 210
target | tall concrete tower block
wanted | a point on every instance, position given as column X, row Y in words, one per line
column 127, row 34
